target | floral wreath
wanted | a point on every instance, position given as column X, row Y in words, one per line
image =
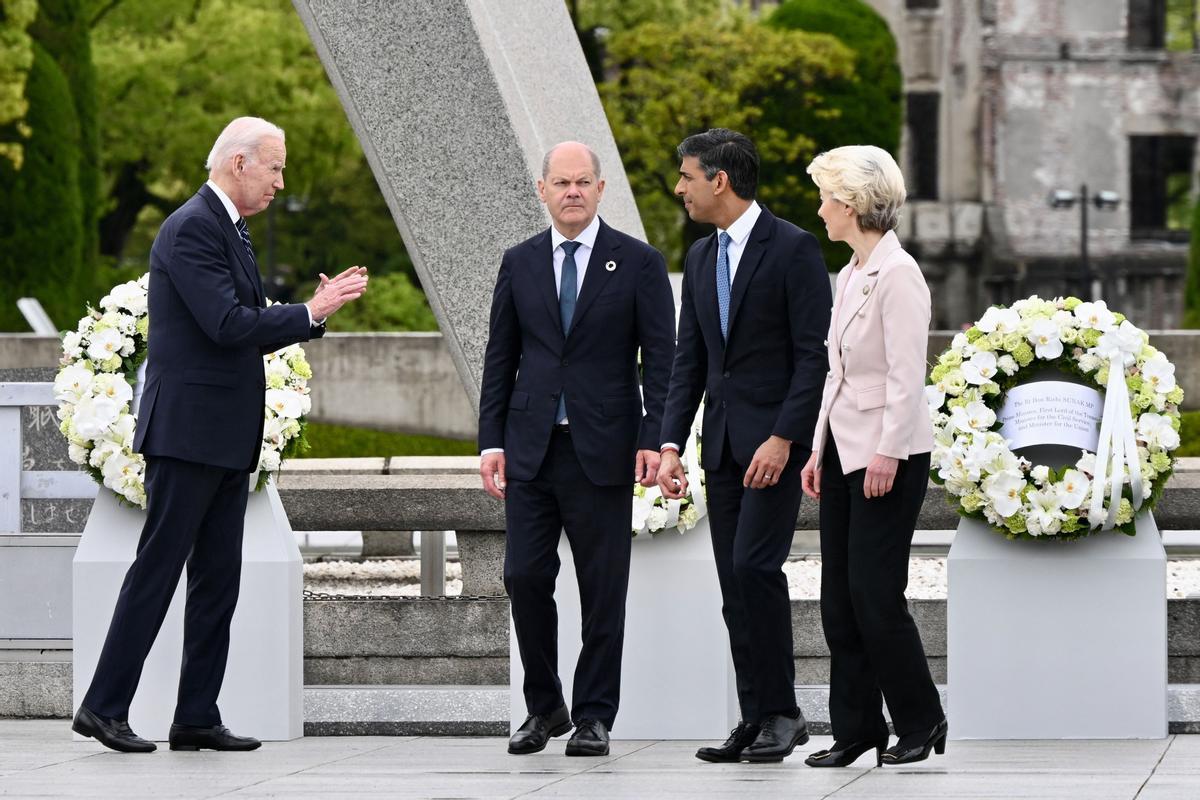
column 104, row 360
column 653, row 513
column 985, row 480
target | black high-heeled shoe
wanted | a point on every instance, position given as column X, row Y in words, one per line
column 843, row 755
column 915, row 747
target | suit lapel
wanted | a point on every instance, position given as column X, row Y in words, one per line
column 756, row 246
column 606, row 249
column 543, row 277
column 235, row 241
column 705, row 290
column 850, row 307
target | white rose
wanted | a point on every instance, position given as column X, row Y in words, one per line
column 269, row 460
column 657, row 519
column 1007, row 364
column 77, row 453
column 73, row 344
column 1040, row 473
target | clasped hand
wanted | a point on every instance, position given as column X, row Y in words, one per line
column 333, row 293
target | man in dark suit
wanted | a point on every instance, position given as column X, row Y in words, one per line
column 755, row 310
column 200, row 429
column 562, row 431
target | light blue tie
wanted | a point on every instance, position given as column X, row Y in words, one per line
column 568, row 286
column 723, row 283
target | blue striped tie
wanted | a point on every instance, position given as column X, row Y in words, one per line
column 568, row 286
column 723, row 283
column 244, row 232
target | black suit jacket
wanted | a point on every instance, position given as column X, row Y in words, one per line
column 768, row 379
column 529, row 361
column 209, row 328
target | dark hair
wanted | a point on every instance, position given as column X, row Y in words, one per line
column 720, row 149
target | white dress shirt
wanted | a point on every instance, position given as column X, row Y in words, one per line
column 739, row 234
column 587, row 241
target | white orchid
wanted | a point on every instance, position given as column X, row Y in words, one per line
column 999, row 320
column 1073, row 488
column 1159, row 374
column 1095, row 315
column 72, row 383
column 285, row 402
column 93, row 414
column 935, row 396
column 129, row 296
column 1044, row 336
column 105, row 344
column 1045, row 514
column 975, row 418
column 1157, row 431
column 1004, row 491
column 1123, row 344
column 980, row 369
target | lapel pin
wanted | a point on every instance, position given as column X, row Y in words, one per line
column 611, row 266
column 866, row 290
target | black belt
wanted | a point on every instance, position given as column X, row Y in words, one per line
column 564, row 429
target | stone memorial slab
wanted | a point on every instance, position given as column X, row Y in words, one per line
column 455, row 103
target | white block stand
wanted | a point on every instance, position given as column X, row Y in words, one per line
column 1050, row 640
column 262, row 695
column 677, row 678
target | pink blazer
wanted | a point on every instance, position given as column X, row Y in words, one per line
column 874, row 397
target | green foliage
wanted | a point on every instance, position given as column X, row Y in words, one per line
column 16, row 57
column 1190, row 435
column 392, row 303
column 1191, row 296
column 173, row 73
column 41, row 209
column 868, row 102
column 675, row 78
column 340, row 441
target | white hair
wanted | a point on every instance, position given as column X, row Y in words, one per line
column 242, row 136
column 867, row 179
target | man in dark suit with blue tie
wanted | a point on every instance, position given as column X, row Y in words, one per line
column 562, row 432
column 756, row 304
column 200, row 429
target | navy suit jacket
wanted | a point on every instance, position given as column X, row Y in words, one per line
column 209, row 328
column 769, row 377
column 529, row 361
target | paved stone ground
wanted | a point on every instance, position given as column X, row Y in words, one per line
column 38, row 759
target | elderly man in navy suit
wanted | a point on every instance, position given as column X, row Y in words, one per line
column 200, row 430
column 564, row 432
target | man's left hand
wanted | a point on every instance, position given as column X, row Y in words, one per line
column 645, row 471
column 769, row 460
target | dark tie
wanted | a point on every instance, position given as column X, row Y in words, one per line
column 723, row 283
column 244, row 232
column 568, row 287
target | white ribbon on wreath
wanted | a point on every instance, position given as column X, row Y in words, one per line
column 1116, row 450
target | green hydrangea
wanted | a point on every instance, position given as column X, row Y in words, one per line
column 939, row 372
column 1175, row 395
column 1160, row 461
column 1142, row 402
column 143, row 326
column 1118, row 318
column 973, row 334
column 1012, row 341
column 1016, row 523
column 1135, row 383
column 1023, row 354
column 112, row 364
column 1071, row 303
column 1124, row 511
column 299, row 365
column 972, row 502
column 1071, row 524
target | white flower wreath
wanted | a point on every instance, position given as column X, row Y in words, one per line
column 653, row 513
column 985, row 480
column 95, row 390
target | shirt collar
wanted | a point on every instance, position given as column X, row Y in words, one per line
column 586, row 237
column 230, row 208
column 742, row 226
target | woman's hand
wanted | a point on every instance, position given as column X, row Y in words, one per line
column 881, row 473
column 810, row 478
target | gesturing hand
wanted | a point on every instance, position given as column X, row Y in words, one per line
column 491, row 469
column 672, row 480
column 881, row 472
column 333, row 294
column 769, row 460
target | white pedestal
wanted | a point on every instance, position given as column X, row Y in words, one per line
column 262, row 695
column 677, row 678
column 1053, row 640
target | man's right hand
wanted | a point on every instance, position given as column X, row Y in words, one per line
column 491, row 469
column 672, row 480
column 333, row 294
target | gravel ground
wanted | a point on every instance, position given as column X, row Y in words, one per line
column 401, row 578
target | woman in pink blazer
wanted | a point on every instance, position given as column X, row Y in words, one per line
column 869, row 468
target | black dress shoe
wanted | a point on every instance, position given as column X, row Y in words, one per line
column 780, row 735
column 914, row 747
column 537, row 729
column 113, row 734
column 739, row 739
column 589, row 739
column 218, row 737
column 845, row 754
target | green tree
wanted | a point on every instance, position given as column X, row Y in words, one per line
column 41, row 208
column 1191, row 298
column 392, row 304
column 16, row 57
column 672, row 79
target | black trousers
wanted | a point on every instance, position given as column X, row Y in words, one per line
column 875, row 649
column 194, row 515
column 597, row 520
column 752, row 533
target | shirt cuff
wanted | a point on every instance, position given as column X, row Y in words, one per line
column 669, row 446
column 491, row 450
